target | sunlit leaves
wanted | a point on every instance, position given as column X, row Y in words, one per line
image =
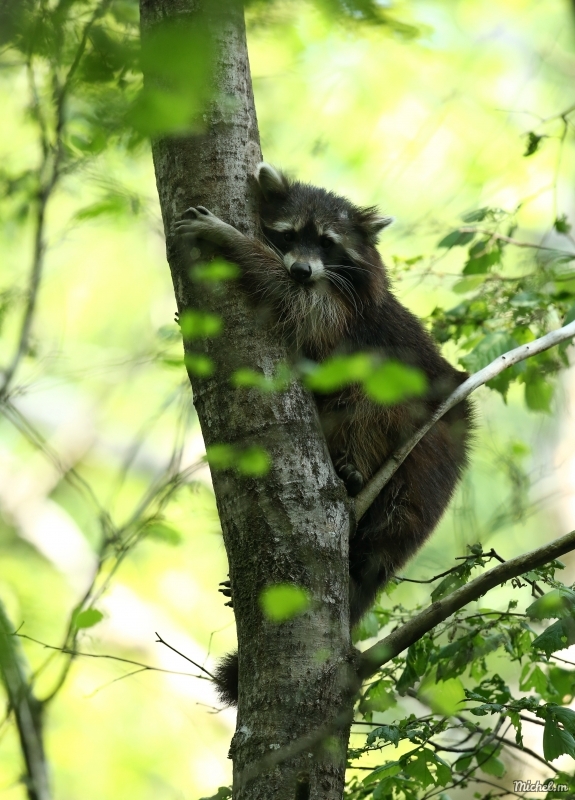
column 175, row 59
column 200, row 324
column 249, row 378
column 214, row 271
column 251, row 462
column 87, row 618
column 392, row 382
column 284, row 601
column 199, row 364
column 339, row 371
column 386, row 382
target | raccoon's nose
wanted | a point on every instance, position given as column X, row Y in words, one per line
column 300, row 271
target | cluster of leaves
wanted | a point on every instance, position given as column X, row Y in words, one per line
column 451, row 670
column 505, row 304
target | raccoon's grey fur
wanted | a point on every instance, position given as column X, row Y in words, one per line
column 318, row 273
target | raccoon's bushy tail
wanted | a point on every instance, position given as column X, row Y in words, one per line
column 226, row 677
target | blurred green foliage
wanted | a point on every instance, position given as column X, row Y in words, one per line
column 457, row 117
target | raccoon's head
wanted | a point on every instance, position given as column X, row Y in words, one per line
column 326, row 243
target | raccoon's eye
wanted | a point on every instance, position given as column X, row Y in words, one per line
column 325, row 241
column 289, row 236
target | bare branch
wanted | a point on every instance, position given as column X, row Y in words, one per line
column 493, row 235
column 366, row 497
column 437, row 612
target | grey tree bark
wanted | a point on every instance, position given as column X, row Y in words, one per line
column 292, row 525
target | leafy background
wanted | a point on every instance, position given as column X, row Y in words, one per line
column 446, row 115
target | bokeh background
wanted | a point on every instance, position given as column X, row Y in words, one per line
column 427, row 118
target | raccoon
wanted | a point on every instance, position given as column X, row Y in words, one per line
column 316, row 270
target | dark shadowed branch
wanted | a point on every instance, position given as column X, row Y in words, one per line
column 384, row 474
column 27, row 710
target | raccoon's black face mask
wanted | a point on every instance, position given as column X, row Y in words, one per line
column 323, row 239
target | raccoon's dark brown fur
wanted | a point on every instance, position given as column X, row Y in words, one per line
column 318, row 273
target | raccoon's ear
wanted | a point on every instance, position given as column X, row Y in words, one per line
column 271, row 182
column 372, row 222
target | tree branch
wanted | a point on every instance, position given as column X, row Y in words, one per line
column 493, row 235
column 27, row 710
column 366, row 497
column 397, row 641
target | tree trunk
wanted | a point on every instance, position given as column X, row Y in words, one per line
column 291, row 525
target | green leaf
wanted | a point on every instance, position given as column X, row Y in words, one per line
column 199, row 324
column 214, row 271
column 339, row 371
column 468, row 284
column 463, row 763
column 246, row 377
column 538, row 392
column 489, row 348
column 253, row 462
column 556, row 604
column 393, row 382
column 284, row 601
column 199, row 364
column 163, row 533
column 388, row 733
column 561, row 225
column 111, row 205
column 443, row 697
column 489, row 764
column 569, row 316
column 378, row 698
column 457, row 239
column 556, row 742
column 566, row 717
column 476, row 216
column 449, row 584
column 87, row 618
column 388, row 770
column 417, row 768
column 482, row 256
column 220, row 456
column 556, row 637
column 537, row 680
column 533, row 141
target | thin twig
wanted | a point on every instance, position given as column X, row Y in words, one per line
column 366, row 497
column 199, row 666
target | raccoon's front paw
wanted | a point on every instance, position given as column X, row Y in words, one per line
column 352, row 478
column 199, row 223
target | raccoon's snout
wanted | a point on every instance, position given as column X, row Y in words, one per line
column 300, row 271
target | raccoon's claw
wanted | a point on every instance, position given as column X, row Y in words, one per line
column 352, row 478
column 227, row 592
column 195, row 212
